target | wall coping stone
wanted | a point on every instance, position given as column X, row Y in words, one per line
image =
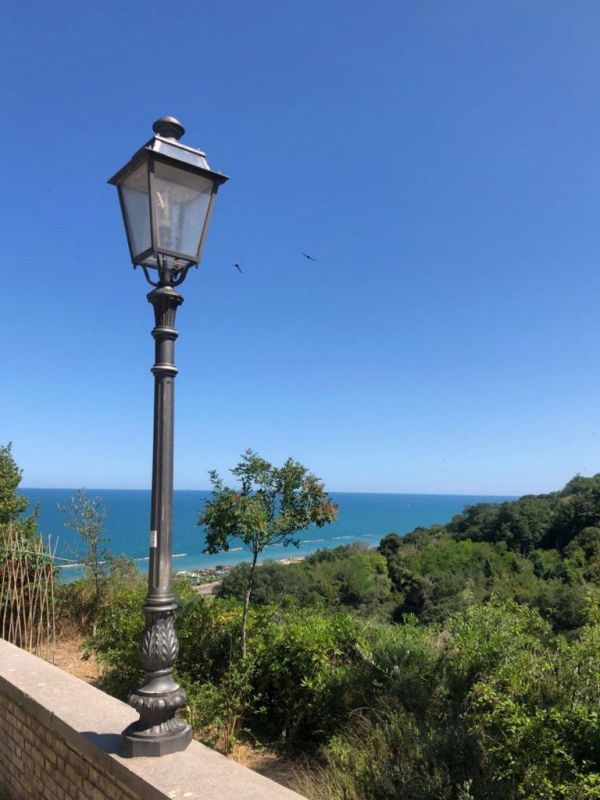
column 91, row 721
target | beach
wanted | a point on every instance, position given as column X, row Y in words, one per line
column 206, row 580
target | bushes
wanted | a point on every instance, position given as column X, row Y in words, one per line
column 491, row 705
column 303, row 668
column 533, row 713
column 487, row 689
column 503, row 709
column 80, row 605
column 382, row 757
column 353, row 577
column 292, row 687
column 115, row 641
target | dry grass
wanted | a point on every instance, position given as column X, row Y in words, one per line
column 68, row 656
column 266, row 762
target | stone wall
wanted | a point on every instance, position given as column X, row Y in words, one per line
column 38, row 763
column 59, row 738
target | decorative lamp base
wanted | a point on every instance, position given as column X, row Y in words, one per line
column 137, row 741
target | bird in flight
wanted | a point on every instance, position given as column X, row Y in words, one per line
column 310, row 258
column 239, row 269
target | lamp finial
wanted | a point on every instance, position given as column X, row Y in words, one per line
column 168, row 128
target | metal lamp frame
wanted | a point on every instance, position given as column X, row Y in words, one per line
column 148, row 155
column 159, row 731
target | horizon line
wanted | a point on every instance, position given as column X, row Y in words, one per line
column 329, row 491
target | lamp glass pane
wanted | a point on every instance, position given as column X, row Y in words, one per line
column 181, row 200
column 134, row 191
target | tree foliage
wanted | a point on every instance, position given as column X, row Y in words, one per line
column 458, row 662
column 11, row 504
column 272, row 505
column 351, row 577
column 490, row 705
column 85, row 515
column 541, row 550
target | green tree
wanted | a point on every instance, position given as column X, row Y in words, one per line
column 11, row 504
column 578, row 508
column 86, row 515
column 390, row 545
column 524, row 523
column 273, row 584
column 271, row 507
column 353, row 576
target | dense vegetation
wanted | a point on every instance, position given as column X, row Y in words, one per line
column 352, row 577
column 542, row 551
column 459, row 662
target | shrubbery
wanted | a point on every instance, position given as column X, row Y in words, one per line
column 492, row 704
column 352, row 577
column 459, row 662
column 504, row 709
column 81, row 603
column 291, row 687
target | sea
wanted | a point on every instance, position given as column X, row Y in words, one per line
column 362, row 517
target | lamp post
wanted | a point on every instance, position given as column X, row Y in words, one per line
column 167, row 192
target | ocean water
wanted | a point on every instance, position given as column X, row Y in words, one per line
column 361, row 518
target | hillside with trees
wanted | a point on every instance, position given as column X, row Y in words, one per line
column 458, row 662
column 541, row 551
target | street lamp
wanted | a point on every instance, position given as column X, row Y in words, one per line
column 167, row 192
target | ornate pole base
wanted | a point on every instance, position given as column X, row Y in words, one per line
column 158, row 731
column 169, row 735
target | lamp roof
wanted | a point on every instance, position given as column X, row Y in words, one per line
column 165, row 142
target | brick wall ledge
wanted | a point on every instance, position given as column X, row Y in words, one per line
column 59, row 738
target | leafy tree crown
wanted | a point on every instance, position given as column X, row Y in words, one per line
column 11, row 504
column 270, row 507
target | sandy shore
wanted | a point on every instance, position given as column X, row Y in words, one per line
column 206, row 579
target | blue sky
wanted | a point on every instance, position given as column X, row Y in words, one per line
column 440, row 160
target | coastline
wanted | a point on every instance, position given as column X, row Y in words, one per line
column 205, row 579
column 362, row 518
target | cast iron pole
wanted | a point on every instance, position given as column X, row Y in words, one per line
column 158, row 731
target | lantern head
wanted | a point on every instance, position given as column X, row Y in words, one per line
column 167, row 193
